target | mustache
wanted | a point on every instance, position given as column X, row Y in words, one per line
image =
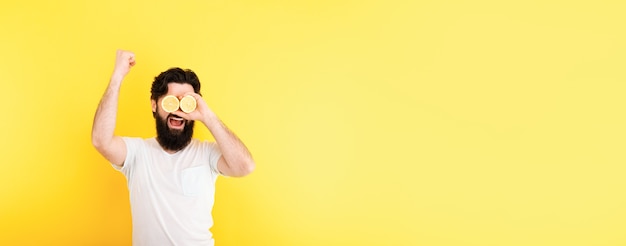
column 172, row 115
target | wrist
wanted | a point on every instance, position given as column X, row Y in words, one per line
column 117, row 78
column 210, row 120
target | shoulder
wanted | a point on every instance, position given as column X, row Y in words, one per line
column 204, row 147
column 136, row 143
column 197, row 143
column 137, row 140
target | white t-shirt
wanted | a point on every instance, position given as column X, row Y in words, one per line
column 171, row 195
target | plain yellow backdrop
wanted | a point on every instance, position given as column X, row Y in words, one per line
column 371, row 122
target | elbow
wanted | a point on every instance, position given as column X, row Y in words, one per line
column 245, row 168
column 98, row 142
column 250, row 167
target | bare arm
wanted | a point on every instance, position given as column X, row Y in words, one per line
column 236, row 160
column 111, row 147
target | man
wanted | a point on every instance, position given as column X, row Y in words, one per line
column 171, row 178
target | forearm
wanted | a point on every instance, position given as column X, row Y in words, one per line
column 234, row 152
column 106, row 114
column 102, row 132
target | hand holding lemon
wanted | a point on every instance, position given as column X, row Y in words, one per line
column 188, row 104
column 171, row 103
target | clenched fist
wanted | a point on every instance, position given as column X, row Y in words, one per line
column 124, row 60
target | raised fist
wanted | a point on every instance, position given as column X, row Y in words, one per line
column 124, row 60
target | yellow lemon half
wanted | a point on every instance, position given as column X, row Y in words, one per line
column 188, row 104
column 169, row 103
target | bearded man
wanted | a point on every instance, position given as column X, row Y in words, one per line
column 171, row 177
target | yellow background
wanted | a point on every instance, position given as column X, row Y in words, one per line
column 371, row 122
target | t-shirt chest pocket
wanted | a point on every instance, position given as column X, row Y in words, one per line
column 196, row 180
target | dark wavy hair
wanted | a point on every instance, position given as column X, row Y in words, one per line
column 173, row 75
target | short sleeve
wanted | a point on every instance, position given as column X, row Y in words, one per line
column 214, row 153
column 132, row 144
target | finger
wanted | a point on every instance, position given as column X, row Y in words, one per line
column 194, row 95
column 191, row 93
column 182, row 114
column 197, row 96
column 131, row 59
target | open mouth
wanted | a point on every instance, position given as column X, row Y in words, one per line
column 175, row 122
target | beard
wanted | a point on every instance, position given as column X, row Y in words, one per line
column 173, row 140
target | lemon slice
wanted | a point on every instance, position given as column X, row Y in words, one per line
column 169, row 103
column 188, row 104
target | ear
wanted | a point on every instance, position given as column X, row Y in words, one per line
column 154, row 105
